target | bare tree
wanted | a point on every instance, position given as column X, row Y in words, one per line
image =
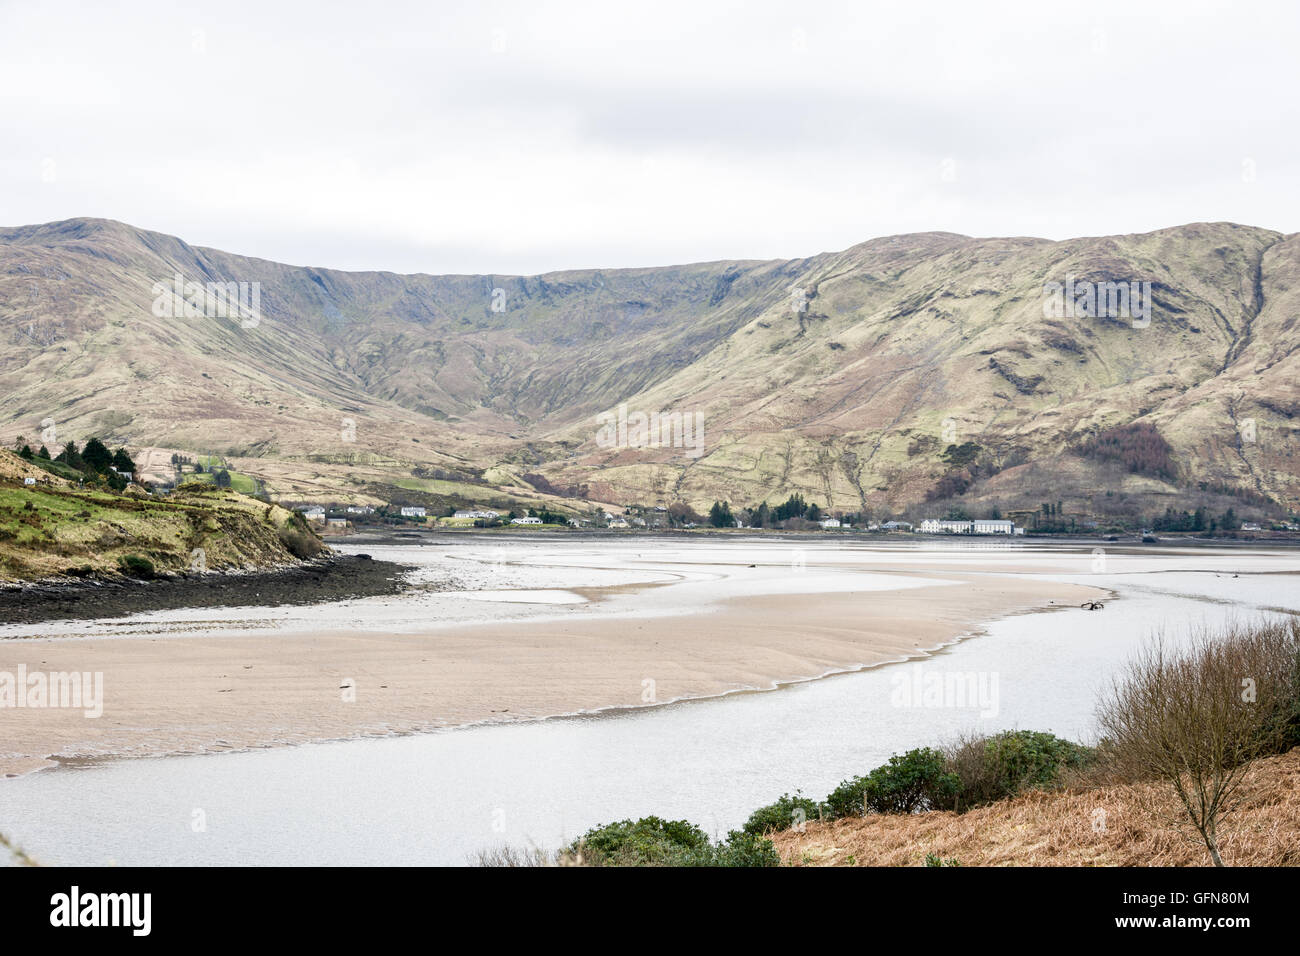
column 1195, row 716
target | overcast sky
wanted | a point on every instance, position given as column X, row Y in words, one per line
column 520, row 137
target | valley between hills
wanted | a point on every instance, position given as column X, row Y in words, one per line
column 907, row 375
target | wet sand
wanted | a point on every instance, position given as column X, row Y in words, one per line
column 171, row 695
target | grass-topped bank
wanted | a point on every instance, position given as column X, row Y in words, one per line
column 1198, row 762
column 53, row 529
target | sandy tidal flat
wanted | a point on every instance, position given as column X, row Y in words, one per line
column 213, row 691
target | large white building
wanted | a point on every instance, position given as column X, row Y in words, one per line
column 978, row 526
column 413, row 512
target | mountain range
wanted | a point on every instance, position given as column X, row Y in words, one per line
column 920, row 368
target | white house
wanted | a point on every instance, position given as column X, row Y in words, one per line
column 29, row 481
column 936, row 526
column 528, row 520
column 476, row 513
column 409, row 512
column 980, row 526
column 314, row 513
column 1250, row 526
column 897, row 526
column 830, row 523
column 617, row 523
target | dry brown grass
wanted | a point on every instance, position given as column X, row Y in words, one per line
column 20, row 856
column 1057, row 829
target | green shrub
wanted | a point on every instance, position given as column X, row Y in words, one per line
column 652, row 841
column 298, row 539
column 649, row 841
column 745, row 849
column 933, row 859
column 136, row 566
column 993, row 768
column 917, row 780
column 782, row 815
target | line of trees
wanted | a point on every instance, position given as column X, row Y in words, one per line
column 1193, row 521
column 94, row 461
column 794, row 508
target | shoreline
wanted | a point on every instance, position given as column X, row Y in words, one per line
column 215, row 694
column 338, row 577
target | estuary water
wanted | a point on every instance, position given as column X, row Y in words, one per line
column 440, row 798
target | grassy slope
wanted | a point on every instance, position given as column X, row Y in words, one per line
column 51, row 530
column 1041, row 828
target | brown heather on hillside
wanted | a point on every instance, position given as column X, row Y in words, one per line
column 1064, row 828
column 899, row 347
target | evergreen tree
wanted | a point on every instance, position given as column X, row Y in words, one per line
column 71, row 457
column 44, row 453
column 123, row 462
column 720, row 515
column 97, row 455
column 26, row 452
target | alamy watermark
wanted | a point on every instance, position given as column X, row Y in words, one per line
column 918, row 687
column 624, row 429
column 1098, row 300
column 211, row 300
column 67, row 690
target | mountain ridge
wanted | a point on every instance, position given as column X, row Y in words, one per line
column 839, row 375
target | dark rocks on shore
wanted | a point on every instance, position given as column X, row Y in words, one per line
column 338, row 578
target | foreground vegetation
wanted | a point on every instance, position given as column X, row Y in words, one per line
column 1197, row 751
column 1103, row 825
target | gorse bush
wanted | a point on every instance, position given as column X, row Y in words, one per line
column 997, row 767
column 136, row 566
column 744, row 849
column 645, row 842
column 652, row 841
column 917, row 780
column 788, row 811
column 974, row 771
